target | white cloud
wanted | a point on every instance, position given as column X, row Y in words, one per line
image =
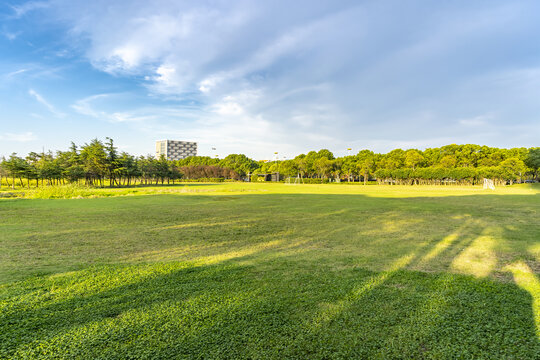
column 87, row 107
column 18, row 137
column 228, row 108
column 16, row 72
column 207, row 84
column 84, row 106
column 235, row 104
column 320, row 74
column 129, row 117
column 11, row 35
column 23, row 9
column 165, row 74
column 44, row 102
column 480, row 120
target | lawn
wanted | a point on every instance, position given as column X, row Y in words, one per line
column 271, row 271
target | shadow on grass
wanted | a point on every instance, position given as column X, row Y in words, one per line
column 228, row 310
column 310, row 296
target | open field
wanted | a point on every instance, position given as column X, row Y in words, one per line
column 239, row 270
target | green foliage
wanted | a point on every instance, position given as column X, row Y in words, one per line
column 208, row 172
column 532, row 160
column 98, row 163
column 62, row 192
column 315, row 181
column 325, row 153
column 239, row 163
column 323, row 166
column 413, row 158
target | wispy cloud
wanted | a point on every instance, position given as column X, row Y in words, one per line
column 11, row 35
column 18, row 137
column 16, row 72
column 475, row 121
column 84, row 106
column 87, row 107
column 22, row 9
column 45, row 103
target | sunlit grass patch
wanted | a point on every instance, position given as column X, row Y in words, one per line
column 478, row 258
column 528, row 280
column 74, row 191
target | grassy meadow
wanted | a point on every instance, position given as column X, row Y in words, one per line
column 240, row 270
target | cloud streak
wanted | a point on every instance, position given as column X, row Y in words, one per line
column 24, row 8
column 18, row 137
column 40, row 99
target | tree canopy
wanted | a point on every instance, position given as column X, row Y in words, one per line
column 97, row 163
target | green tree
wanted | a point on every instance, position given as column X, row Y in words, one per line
column 365, row 164
column 325, row 153
column 95, row 162
column 512, row 169
column 448, row 161
column 393, row 160
column 289, row 168
column 112, row 161
column 16, row 167
column 323, row 166
column 413, row 158
column 301, row 164
column 349, row 166
column 533, row 160
column 239, row 163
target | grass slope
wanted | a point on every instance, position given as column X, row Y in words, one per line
column 273, row 271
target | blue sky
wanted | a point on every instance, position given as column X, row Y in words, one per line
column 257, row 77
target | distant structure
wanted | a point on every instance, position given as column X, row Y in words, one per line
column 175, row 150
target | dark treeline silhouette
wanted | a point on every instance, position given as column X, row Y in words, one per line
column 99, row 163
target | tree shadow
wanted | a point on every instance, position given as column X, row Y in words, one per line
column 228, row 310
column 313, row 292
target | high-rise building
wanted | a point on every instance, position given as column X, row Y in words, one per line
column 175, row 150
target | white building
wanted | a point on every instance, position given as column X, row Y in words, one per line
column 175, row 150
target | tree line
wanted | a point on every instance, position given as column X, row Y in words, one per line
column 100, row 163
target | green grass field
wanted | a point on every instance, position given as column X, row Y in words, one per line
column 271, row 271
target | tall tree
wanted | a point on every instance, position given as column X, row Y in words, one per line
column 533, row 160
column 112, row 161
column 413, row 158
column 323, row 166
column 95, row 161
column 365, row 164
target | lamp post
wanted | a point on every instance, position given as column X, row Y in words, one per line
column 349, row 151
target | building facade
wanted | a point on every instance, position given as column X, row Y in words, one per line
column 175, row 150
